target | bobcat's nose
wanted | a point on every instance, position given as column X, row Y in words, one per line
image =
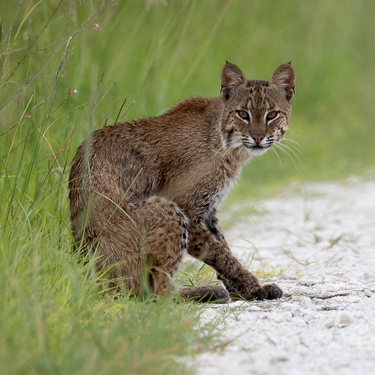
column 257, row 137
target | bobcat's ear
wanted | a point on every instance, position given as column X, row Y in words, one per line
column 231, row 78
column 285, row 78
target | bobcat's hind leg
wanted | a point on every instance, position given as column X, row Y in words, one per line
column 165, row 235
column 205, row 293
column 149, row 251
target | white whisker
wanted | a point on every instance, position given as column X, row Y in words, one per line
column 274, row 150
column 296, row 143
column 282, row 147
column 229, row 150
column 298, row 135
column 224, row 146
column 291, row 150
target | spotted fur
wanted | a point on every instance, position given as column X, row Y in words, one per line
column 145, row 192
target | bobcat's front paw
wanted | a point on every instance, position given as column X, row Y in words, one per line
column 273, row 290
column 269, row 291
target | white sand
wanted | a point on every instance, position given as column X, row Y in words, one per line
column 323, row 237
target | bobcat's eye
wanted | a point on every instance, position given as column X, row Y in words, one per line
column 271, row 115
column 243, row 114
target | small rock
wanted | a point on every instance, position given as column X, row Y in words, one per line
column 307, row 283
column 330, row 279
column 306, row 302
column 329, row 325
column 309, row 316
column 353, row 299
column 328, row 308
column 285, row 316
column 330, row 287
column 278, row 359
column 295, row 298
column 254, row 308
column 367, row 293
column 354, row 281
column 297, row 312
column 274, row 372
column 279, row 319
column 298, row 321
column 357, row 316
column 345, row 320
column 367, row 276
column 287, row 276
column 209, row 314
column 289, row 306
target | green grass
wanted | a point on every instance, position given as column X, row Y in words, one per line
column 55, row 90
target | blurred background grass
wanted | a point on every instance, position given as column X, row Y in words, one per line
column 155, row 54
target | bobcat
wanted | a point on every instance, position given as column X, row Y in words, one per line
column 148, row 190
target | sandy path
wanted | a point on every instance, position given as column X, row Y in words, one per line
column 323, row 236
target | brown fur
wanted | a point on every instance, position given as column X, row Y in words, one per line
column 152, row 186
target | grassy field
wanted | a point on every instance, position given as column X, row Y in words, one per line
column 66, row 68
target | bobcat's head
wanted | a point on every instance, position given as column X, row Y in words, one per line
column 256, row 113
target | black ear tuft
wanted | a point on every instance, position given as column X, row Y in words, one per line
column 231, row 78
column 290, row 62
column 284, row 78
column 226, row 61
